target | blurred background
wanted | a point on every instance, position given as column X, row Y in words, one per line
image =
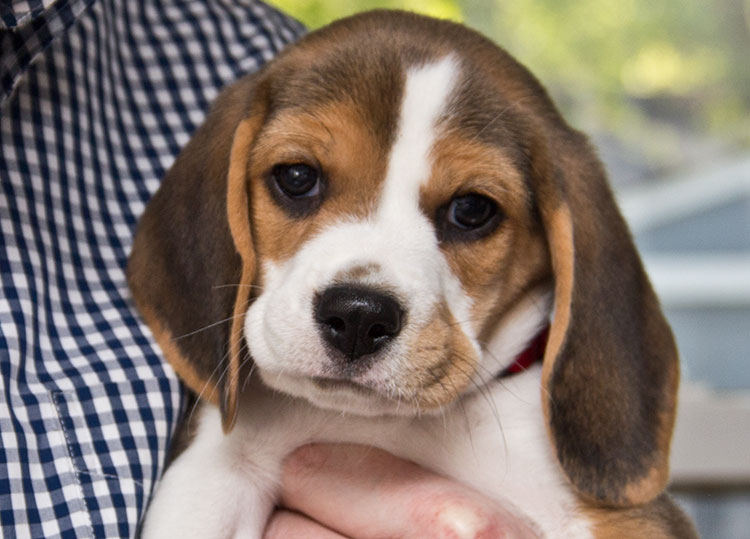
column 663, row 88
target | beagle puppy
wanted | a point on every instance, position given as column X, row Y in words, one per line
column 372, row 240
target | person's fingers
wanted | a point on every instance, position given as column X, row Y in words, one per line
column 290, row 525
column 363, row 492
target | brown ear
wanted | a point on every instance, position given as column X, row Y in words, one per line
column 610, row 371
column 192, row 260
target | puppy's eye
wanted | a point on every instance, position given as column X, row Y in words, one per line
column 467, row 217
column 471, row 211
column 297, row 180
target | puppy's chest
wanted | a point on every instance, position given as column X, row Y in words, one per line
column 493, row 441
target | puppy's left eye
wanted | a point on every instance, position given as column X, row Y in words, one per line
column 471, row 211
column 297, row 180
column 467, row 217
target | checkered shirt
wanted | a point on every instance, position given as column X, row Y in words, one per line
column 96, row 99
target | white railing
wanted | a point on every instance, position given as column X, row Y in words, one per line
column 711, row 444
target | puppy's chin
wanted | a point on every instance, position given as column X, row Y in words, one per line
column 340, row 395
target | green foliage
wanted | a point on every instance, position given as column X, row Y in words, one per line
column 615, row 61
column 615, row 55
column 316, row 13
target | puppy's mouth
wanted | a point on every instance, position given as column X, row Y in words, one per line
column 360, row 355
column 340, row 394
column 335, row 384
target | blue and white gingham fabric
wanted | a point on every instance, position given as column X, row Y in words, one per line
column 96, row 99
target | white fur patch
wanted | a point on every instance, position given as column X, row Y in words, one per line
column 224, row 486
column 426, row 94
column 518, row 327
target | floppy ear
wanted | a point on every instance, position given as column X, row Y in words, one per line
column 192, row 261
column 610, row 370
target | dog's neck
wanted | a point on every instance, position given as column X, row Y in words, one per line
column 534, row 352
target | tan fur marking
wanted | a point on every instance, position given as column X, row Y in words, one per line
column 653, row 483
column 608, row 526
column 239, row 225
column 237, row 203
column 658, row 477
column 560, row 233
column 442, row 361
column 337, row 139
column 491, row 270
column 461, row 165
column 658, row 519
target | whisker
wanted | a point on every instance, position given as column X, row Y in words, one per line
column 238, row 285
column 212, row 325
column 199, row 398
column 223, row 372
column 443, row 417
column 483, row 389
column 250, row 372
column 484, row 348
column 471, row 319
column 496, row 414
column 500, row 114
column 497, row 378
column 548, row 394
column 487, row 396
column 200, row 394
column 460, row 403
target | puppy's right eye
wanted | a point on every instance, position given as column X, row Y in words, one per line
column 297, row 180
column 297, row 188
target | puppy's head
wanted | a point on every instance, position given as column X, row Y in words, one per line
column 375, row 219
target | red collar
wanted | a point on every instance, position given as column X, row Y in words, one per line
column 533, row 353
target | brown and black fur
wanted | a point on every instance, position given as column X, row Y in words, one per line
column 610, row 372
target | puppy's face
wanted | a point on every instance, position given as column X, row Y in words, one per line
column 394, row 230
column 399, row 195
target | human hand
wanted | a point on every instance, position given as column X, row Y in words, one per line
column 334, row 491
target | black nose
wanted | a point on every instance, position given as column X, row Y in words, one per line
column 357, row 320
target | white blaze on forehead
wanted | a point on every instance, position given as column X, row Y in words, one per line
column 412, row 259
column 426, row 94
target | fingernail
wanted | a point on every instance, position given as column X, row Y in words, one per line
column 461, row 521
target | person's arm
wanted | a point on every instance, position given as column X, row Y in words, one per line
column 331, row 491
